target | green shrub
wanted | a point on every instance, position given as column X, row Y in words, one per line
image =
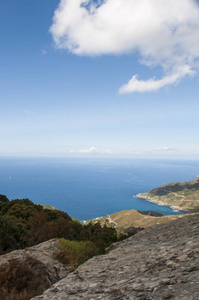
column 3, row 198
column 22, row 212
column 54, row 215
column 75, row 253
column 101, row 236
column 10, row 234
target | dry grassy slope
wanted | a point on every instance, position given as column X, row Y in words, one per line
column 179, row 195
column 128, row 218
column 50, row 207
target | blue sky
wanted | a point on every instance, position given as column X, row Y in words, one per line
column 116, row 79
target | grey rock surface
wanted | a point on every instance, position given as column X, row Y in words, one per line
column 43, row 253
column 160, row 262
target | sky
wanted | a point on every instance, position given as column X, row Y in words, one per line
column 114, row 78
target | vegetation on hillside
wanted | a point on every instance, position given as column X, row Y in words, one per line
column 131, row 221
column 75, row 253
column 22, row 280
column 182, row 196
column 23, row 223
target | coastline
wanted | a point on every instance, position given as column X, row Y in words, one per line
column 161, row 203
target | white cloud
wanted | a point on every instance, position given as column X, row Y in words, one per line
column 164, row 150
column 157, row 151
column 164, row 32
column 90, row 150
column 135, row 85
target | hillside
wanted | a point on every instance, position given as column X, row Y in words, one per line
column 180, row 196
column 132, row 218
column 160, row 262
column 32, row 267
column 25, row 225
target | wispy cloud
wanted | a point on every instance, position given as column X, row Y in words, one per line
column 165, row 33
column 159, row 150
column 164, row 150
column 89, row 150
column 135, row 85
column 92, row 150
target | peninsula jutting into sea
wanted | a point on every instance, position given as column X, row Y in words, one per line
column 180, row 196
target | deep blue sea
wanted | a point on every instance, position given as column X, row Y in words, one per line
column 91, row 188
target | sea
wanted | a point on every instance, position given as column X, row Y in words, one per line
column 91, row 188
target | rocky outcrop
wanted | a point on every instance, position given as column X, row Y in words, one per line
column 43, row 253
column 160, row 262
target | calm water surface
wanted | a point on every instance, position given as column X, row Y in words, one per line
column 88, row 189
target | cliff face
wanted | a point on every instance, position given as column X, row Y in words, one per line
column 160, row 262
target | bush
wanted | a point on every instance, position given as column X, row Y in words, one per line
column 3, row 198
column 54, row 215
column 75, row 253
column 41, row 230
column 22, row 212
column 101, row 236
column 10, row 234
column 23, row 223
column 22, row 280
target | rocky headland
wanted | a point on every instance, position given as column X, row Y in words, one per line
column 160, row 262
column 179, row 195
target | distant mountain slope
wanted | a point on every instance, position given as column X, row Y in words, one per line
column 132, row 218
column 181, row 196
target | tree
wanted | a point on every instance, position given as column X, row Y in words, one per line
column 42, row 230
column 22, row 212
column 10, row 234
column 3, row 198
